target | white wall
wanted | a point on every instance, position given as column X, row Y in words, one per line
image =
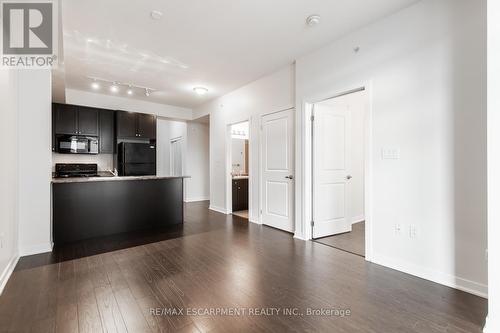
column 197, row 162
column 493, row 321
column 356, row 104
column 268, row 94
column 9, row 174
column 427, row 68
column 79, row 97
column 104, row 161
column 35, row 161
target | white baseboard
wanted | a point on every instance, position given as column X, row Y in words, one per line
column 299, row 236
column 36, row 249
column 196, row 199
column 218, row 209
column 7, row 272
column 468, row 286
column 357, row 219
column 256, row 221
column 491, row 326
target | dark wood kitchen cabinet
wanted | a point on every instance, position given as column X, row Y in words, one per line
column 73, row 119
column 240, row 194
column 65, row 119
column 146, row 125
column 88, row 121
column 126, row 126
column 106, row 131
column 135, row 125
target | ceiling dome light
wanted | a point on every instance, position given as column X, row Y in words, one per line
column 200, row 90
column 156, row 14
column 95, row 85
column 313, row 20
column 114, row 88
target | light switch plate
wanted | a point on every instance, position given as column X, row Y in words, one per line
column 390, row 153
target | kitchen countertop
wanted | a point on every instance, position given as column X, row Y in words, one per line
column 240, row 177
column 107, row 178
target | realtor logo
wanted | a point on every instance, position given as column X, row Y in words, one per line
column 28, row 34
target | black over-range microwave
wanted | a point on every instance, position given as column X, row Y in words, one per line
column 77, row 144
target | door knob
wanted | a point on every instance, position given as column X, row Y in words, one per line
column 348, row 177
column 289, row 177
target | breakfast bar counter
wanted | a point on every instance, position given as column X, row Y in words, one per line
column 91, row 207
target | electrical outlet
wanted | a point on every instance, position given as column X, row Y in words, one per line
column 397, row 229
column 412, row 231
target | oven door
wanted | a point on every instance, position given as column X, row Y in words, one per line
column 74, row 144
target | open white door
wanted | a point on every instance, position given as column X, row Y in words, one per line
column 331, row 165
column 277, row 170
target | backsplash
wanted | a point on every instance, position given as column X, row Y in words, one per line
column 104, row 161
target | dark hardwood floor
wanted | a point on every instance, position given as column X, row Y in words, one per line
column 353, row 242
column 218, row 261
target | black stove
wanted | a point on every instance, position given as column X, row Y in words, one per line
column 67, row 170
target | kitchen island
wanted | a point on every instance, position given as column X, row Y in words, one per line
column 84, row 208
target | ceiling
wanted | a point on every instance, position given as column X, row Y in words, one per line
column 217, row 44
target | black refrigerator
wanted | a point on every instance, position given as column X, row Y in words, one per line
column 136, row 159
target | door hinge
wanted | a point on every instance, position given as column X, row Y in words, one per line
column 312, row 223
column 312, row 118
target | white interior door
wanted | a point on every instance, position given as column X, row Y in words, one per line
column 332, row 159
column 176, row 157
column 277, row 170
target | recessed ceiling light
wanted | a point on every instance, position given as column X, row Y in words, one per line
column 313, row 20
column 95, row 85
column 114, row 88
column 156, row 14
column 200, row 90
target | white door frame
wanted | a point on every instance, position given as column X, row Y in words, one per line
column 261, row 167
column 307, row 155
column 229, row 189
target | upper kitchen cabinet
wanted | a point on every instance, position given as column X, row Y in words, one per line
column 135, row 125
column 146, row 125
column 65, row 119
column 79, row 120
column 106, row 131
column 126, row 124
column 88, row 121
